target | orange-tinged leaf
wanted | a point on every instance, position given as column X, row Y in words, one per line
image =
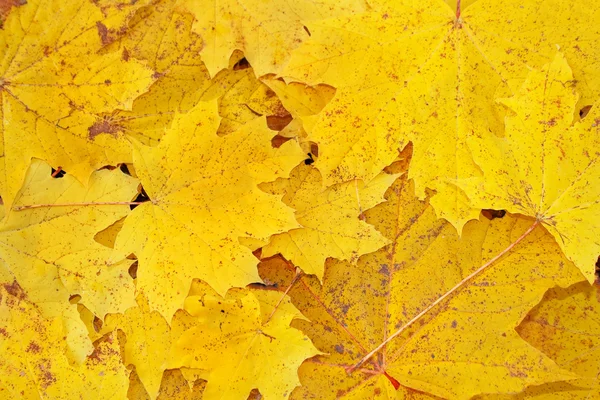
column 465, row 346
column 547, row 166
column 204, row 196
column 330, row 219
column 33, row 364
column 413, row 71
column 50, row 69
column 244, row 340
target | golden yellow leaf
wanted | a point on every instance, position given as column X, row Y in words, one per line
column 148, row 342
column 547, row 166
column 265, row 31
column 414, row 71
column 330, row 219
column 244, row 340
column 203, row 197
column 465, row 346
column 50, row 70
column 162, row 38
column 52, row 254
column 33, row 364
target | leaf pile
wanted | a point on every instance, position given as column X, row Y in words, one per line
column 305, row 200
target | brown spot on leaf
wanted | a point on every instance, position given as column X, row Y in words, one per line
column 103, row 126
column 103, row 32
column 14, row 289
column 33, row 348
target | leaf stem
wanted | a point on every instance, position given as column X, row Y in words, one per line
column 298, row 274
column 443, row 297
column 108, row 203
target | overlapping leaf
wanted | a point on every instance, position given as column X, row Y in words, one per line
column 466, row 346
column 415, row 71
column 330, row 219
column 51, row 252
column 547, row 165
column 51, row 70
column 265, row 31
column 253, row 328
column 204, row 196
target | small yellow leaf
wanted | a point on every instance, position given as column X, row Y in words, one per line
column 148, row 342
column 330, row 219
column 243, row 341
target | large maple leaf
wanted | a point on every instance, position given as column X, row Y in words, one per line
column 424, row 72
column 465, row 346
column 50, row 69
column 244, row 340
column 546, row 166
column 204, row 197
column 51, row 252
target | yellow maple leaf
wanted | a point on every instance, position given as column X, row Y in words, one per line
column 33, row 364
column 244, row 340
column 51, row 70
column 265, row 31
column 330, row 221
column 546, row 166
column 52, row 254
column 204, row 196
column 51, row 251
column 465, row 346
column 424, row 72
column 148, row 353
